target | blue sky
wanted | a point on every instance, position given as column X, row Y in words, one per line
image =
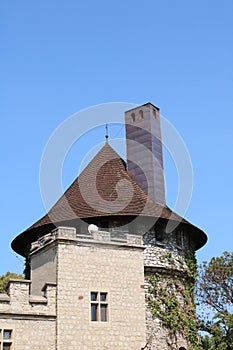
column 58, row 57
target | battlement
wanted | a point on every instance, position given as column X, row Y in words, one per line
column 48, row 252
column 19, row 301
column 103, row 237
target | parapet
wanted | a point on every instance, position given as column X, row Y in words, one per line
column 19, row 301
column 103, row 237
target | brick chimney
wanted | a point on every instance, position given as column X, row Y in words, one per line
column 145, row 166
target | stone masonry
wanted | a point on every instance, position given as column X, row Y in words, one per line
column 32, row 319
column 73, row 266
column 53, row 310
column 167, row 260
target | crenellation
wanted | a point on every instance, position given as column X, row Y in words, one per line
column 19, row 299
column 114, row 237
column 101, row 236
column 64, row 232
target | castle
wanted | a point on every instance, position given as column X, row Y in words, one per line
column 103, row 270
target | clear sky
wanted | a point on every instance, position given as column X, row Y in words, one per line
column 58, row 57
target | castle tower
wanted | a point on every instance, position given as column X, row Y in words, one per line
column 147, row 288
column 144, row 150
column 91, row 270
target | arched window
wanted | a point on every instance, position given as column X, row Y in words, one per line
column 140, row 114
column 132, row 117
column 154, row 113
column 182, row 348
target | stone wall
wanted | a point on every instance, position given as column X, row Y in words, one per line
column 80, row 264
column 115, row 268
column 38, row 334
column 31, row 319
column 166, row 277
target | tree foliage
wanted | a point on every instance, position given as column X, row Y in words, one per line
column 215, row 298
column 4, row 279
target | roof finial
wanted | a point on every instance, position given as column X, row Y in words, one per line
column 106, row 135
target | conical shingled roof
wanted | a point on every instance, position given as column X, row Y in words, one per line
column 104, row 188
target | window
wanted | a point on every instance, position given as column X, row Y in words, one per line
column 7, row 334
column 154, row 113
column 140, row 114
column 6, row 346
column 132, row 117
column 99, row 306
column 6, row 339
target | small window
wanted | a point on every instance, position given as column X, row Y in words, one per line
column 103, row 296
column 154, row 113
column 99, row 306
column 141, row 115
column 6, row 341
column 132, row 117
column 94, row 312
column 103, row 312
column 7, row 334
column 94, row 296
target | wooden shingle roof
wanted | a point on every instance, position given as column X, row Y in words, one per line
column 104, row 188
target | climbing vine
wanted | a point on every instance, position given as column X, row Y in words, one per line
column 171, row 299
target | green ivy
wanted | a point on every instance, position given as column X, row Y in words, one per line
column 191, row 267
column 164, row 303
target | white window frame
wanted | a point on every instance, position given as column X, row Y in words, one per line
column 4, row 341
column 99, row 303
